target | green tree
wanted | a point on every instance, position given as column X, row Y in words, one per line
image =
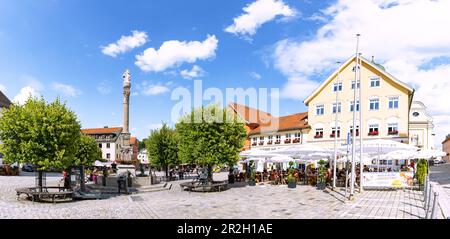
column 141, row 144
column 210, row 136
column 422, row 171
column 88, row 152
column 162, row 148
column 40, row 133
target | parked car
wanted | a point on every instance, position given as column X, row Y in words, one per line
column 28, row 168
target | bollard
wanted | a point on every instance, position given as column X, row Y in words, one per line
column 433, row 210
column 425, row 190
column 427, row 207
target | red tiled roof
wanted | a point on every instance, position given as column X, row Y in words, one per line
column 250, row 115
column 284, row 123
column 133, row 140
column 102, row 130
column 446, row 140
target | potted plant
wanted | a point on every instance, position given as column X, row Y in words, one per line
column 292, row 183
column 321, row 177
column 421, row 172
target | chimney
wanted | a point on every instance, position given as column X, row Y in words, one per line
column 105, row 127
column 373, row 59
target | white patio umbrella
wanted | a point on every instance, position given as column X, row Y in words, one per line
column 254, row 160
column 256, row 153
column 280, row 159
column 98, row 163
column 399, row 155
column 381, row 146
column 429, row 154
column 367, row 159
column 301, row 150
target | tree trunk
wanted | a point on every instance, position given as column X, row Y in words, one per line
column 82, row 183
column 210, row 173
column 166, row 167
column 40, row 176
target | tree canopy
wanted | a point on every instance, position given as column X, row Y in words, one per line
column 40, row 133
column 88, row 151
column 210, row 136
column 162, row 147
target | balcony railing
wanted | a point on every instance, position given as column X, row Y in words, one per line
column 296, row 141
column 373, row 133
column 318, row 136
column 277, row 142
column 269, row 142
column 287, row 141
column 261, row 143
column 254, row 144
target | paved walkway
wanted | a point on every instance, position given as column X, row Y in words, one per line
column 261, row 201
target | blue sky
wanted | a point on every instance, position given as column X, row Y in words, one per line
column 57, row 49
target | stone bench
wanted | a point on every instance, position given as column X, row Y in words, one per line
column 61, row 194
column 198, row 186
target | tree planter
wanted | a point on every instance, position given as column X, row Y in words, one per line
column 251, row 183
column 321, row 186
column 292, row 185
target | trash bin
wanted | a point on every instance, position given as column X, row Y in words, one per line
column 231, row 178
column 122, row 184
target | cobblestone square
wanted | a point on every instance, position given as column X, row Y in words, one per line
column 261, row 201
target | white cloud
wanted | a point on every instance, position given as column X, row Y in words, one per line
column 125, row 44
column 174, row 53
column 258, row 13
column 66, row 90
column 195, row 72
column 146, row 88
column 25, row 93
column 104, row 88
column 402, row 35
column 255, row 75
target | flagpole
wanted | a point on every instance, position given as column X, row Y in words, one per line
column 336, row 127
column 352, row 179
column 361, row 163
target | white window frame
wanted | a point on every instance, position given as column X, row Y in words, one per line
column 358, row 106
column 393, row 99
column 337, row 87
column 375, row 79
column 358, row 85
column 375, row 103
column 339, row 107
column 320, row 107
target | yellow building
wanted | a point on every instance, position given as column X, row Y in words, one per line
column 385, row 105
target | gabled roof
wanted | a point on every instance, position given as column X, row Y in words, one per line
column 133, row 140
column 4, row 101
column 446, row 140
column 285, row 123
column 105, row 130
column 250, row 115
column 343, row 66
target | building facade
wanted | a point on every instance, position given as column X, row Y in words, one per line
column 109, row 140
column 385, row 105
column 421, row 127
column 143, row 157
column 268, row 132
column 446, row 148
column 134, row 143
